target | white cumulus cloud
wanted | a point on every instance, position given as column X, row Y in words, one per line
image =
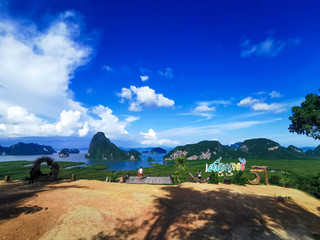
column 276, row 107
column 36, row 69
column 152, row 139
column 144, row 78
column 144, row 96
column 247, row 102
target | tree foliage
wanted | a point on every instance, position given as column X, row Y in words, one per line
column 306, row 118
column 181, row 163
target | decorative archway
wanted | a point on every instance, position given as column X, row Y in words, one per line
column 53, row 175
column 255, row 170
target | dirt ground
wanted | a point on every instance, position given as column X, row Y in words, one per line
column 99, row 210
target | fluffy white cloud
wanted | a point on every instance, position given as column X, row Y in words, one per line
column 144, row 78
column 35, row 72
column 268, row 47
column 276, row 107
column 259, row 105
column 126, row 93
column 109, row 123
column 275, row 94
column 18, row 122
column 144, row 96
column 152, row 139
column 247, row 102
column 168, row 73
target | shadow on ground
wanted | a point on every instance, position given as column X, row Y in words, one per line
column 189, row 214
column 12, row 194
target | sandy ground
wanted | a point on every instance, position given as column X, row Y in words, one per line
column 99, row 210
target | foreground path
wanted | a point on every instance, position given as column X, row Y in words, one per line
column 150, row 180
column 99, row 210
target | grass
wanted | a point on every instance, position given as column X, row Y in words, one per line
column 18, row 171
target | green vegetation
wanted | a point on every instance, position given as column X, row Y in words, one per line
column 158, row 150
column 101, row 148
column 306, row 118
column 259, row 148
column 299, row 174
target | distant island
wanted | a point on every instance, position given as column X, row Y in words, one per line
column 102, row 148
column 258, row 148
column 66, row 151
column 158, row 150
column 27, row 149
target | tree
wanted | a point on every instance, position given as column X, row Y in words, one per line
column 181, row 163
column 306, row 118
column 181, row 166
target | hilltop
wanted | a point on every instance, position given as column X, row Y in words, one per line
column 100, row 210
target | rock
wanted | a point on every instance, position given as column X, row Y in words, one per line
column 101, row 148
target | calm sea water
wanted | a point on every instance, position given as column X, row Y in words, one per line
column 113, row 165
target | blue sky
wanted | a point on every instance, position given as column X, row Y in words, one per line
column 155, row 73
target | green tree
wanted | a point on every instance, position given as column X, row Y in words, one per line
column 181, row 166
column 306, row 118
column 181, row 163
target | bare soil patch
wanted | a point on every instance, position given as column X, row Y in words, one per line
column 98, row 210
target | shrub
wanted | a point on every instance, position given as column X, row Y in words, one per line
column 238, row 179
column 213, row 178
column 274, row 180
column 286, row 180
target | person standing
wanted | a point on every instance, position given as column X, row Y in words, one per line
column 140, row 171
column 199, row 175
column 32, row 176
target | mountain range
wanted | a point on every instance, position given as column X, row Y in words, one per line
column 27, row 149
column 258, row 148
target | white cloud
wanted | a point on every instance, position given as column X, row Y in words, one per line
column 151, row 134
column 36, row 69
column 152, row 139
column 126, row 93
column 212, row 129
column 107, row 68
column 275, row 94
column 268, row 47
column 144, row 78
column 37, row 66
column 108, row 123
column 18, row 122
column 144, row 96
column 276, row 107
column 168, row 73
column 247, row 102
column 84, row 131
column 204, row 108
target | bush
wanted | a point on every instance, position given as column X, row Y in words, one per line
column 213, row 178
column 286, row 180
column 238, row 179
column 274, row 180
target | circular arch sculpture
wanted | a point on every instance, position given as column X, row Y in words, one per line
column 53, row 175
column 255, row 170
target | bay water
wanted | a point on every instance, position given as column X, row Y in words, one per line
column 80, row 157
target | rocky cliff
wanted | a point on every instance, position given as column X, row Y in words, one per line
column 101, row 148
